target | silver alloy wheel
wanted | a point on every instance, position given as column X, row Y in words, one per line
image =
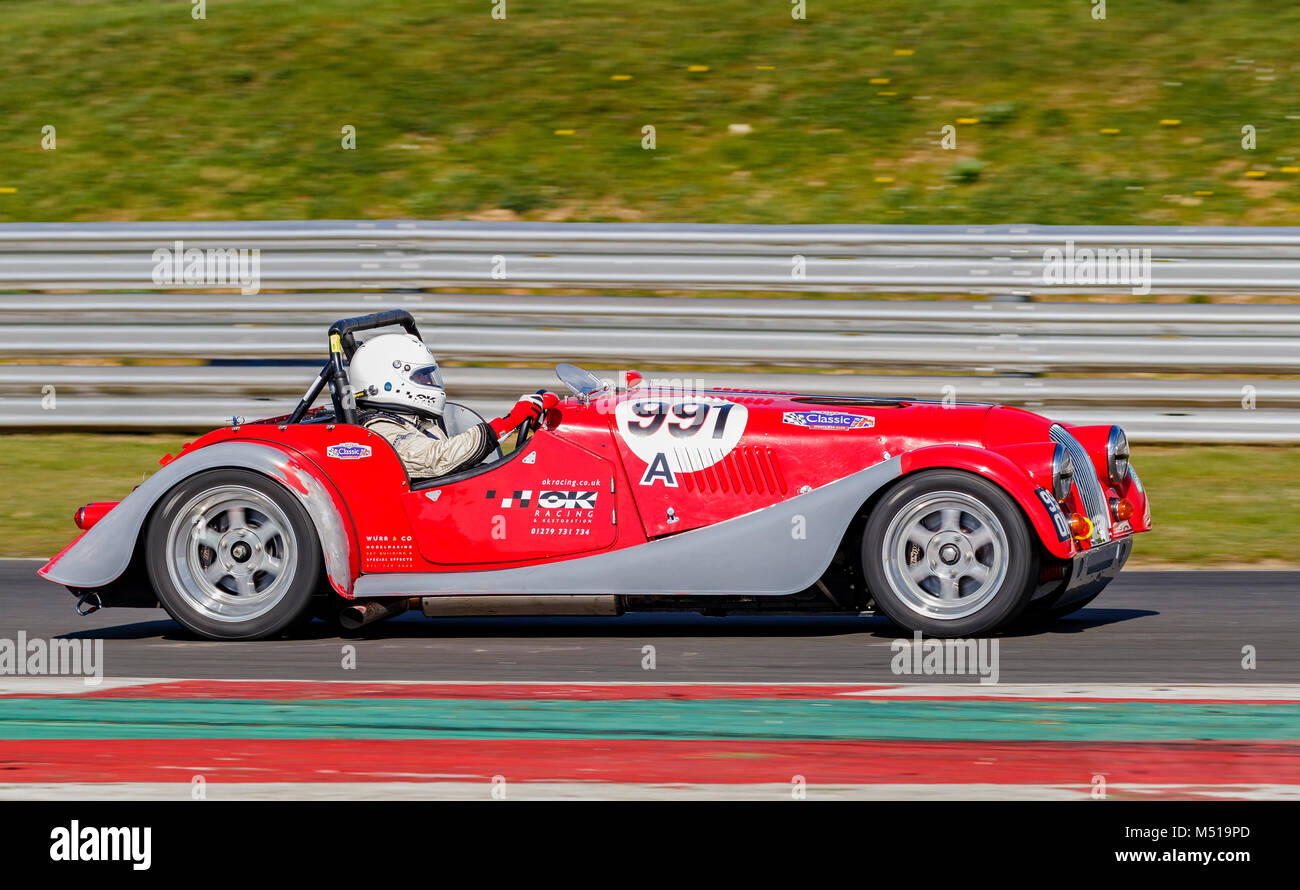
column 232, row 553
column 945, row 554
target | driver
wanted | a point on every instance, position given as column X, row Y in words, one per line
column 399, row 392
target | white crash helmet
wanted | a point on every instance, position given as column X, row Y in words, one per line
column 397, row 371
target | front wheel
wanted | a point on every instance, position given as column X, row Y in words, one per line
column 1040, row 614
column 233, row 555
column 949, row 554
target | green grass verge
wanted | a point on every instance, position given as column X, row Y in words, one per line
column 48, row 476
column 1059, row 118
column 1213, row 505
column 1221, row 505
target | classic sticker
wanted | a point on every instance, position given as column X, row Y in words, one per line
column 348, row 451
column 828, row 420
column 679, row 434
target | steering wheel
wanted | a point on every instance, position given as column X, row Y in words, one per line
column 526, row 429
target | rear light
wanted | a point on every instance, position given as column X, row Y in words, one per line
column 1080, row 526
column 1121, row 508
column 91, row 513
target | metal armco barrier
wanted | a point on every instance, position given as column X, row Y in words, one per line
column 399, row 254
column 1163, row 369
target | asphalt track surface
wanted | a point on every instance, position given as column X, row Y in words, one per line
column 1147, row 627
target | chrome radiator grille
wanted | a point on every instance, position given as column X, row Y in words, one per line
column 1089, row 486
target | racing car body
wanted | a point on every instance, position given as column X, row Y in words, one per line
column 952, row 519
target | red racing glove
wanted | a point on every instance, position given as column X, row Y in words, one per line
column 531, row 407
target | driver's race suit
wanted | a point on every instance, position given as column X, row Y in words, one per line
column 424, row 446
column 427, row 451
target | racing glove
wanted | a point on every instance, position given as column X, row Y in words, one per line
column 531, row 407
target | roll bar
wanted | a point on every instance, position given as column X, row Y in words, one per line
column 342, row 344
column 346, row 327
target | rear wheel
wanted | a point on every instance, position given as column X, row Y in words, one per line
column 232, row 555
column 949, row 554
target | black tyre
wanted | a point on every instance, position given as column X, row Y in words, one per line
column 949, row 554
column 326, row 605
column 1042, row 614
column 233, row 555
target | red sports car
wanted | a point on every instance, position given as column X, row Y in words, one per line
column 950, row 519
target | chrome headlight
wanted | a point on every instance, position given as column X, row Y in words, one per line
column 1062, row 473
column 1117, row 456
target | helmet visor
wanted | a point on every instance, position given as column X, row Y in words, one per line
column 429, row 375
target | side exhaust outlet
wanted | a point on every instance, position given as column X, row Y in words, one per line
column 359, row 615
column 89, row 604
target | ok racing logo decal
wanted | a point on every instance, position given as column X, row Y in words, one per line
column 561, row 512
column 348, row 451
column 567, row 500
column 828, row 420
column 549, row 500
column 679, row 434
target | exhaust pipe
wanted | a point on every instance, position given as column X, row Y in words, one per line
column 359, row 615
column 519, row 606
column 89, row 604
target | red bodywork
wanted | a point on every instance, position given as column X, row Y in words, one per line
column 634, row 466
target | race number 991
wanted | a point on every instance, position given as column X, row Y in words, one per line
column 683, row 419
column 682, row 434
